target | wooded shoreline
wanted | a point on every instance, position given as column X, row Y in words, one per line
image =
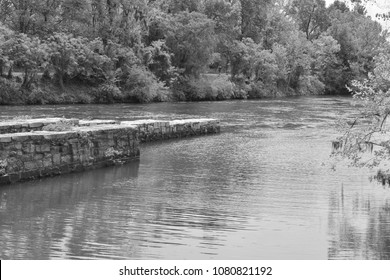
column 73, row 51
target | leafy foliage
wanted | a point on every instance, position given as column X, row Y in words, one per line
column 66, row 52
column 141, row 85
column 10, row 92
column 138, row 50
column 191, row 39
column 368, row 131
column 29, row 54
column 311, row 16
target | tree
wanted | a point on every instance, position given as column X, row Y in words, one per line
column 159, row 61
column 34, row 17
column 65, row 53
column 360, row 40
column 121, row 21
column 227, row 18
column 326, row 65
column 338, row 6
column 5, row 35
column 278, row 27
column 177, row 6
column 253, row 18
column 94, row 66
column 190, row 37
column 311, row 16
column 75, row 17
column 365, row 142
column 29, row 54
column 298, row 59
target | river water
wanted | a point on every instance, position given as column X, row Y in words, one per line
column 265, row 188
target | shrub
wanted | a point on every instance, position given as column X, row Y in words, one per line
column 310, row 85
column 140, row 85
column 107, row 93
column 208, row 87
column 37, row 96
column 10, row 92
column 192, row 89
column 158, row 60
column 241, row 91
column 48, row 93
column 259, row 89
column 222, row 89
column 199, row 89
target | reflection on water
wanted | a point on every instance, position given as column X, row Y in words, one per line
column 360, row 226
column 49, row 218
column 262, row 189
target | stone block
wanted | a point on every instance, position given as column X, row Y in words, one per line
column 55, row 149
column 57, row 159
column 66, row 159
column 30, row 165
column 4, row 127
column 3, row 154
column 48, row 136
column 26, row 148
column 75, row 157
column 18, row 146
column 35, row 125
column 36, row 137
column 45, row 148
column 39, row 164
column 97, row 122
column 13, row 153
column 64, row 150
column 38, row 157
column 5, row 139
column 47, row 162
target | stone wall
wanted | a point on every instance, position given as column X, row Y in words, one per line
column 32, row 124
column 37, row 148
column 30, row 155
column 154, row 130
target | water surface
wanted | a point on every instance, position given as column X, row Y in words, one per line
column 265, row 188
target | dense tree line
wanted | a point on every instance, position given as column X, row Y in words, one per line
column 155, row 50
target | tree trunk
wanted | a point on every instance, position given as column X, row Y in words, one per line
column 25, row 79
column 61, row 80
column 9, row 76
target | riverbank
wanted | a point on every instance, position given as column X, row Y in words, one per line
column 208, row 87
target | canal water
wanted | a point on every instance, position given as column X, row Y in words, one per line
column 265, row 188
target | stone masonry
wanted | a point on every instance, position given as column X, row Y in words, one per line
column 31, row 125
column 154, row 130
column 29, row 151
column 30, row 155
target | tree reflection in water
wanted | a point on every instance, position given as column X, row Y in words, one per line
column 60, row 217
column 359, row 227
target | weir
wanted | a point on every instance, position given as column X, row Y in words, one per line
column 36, row 148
